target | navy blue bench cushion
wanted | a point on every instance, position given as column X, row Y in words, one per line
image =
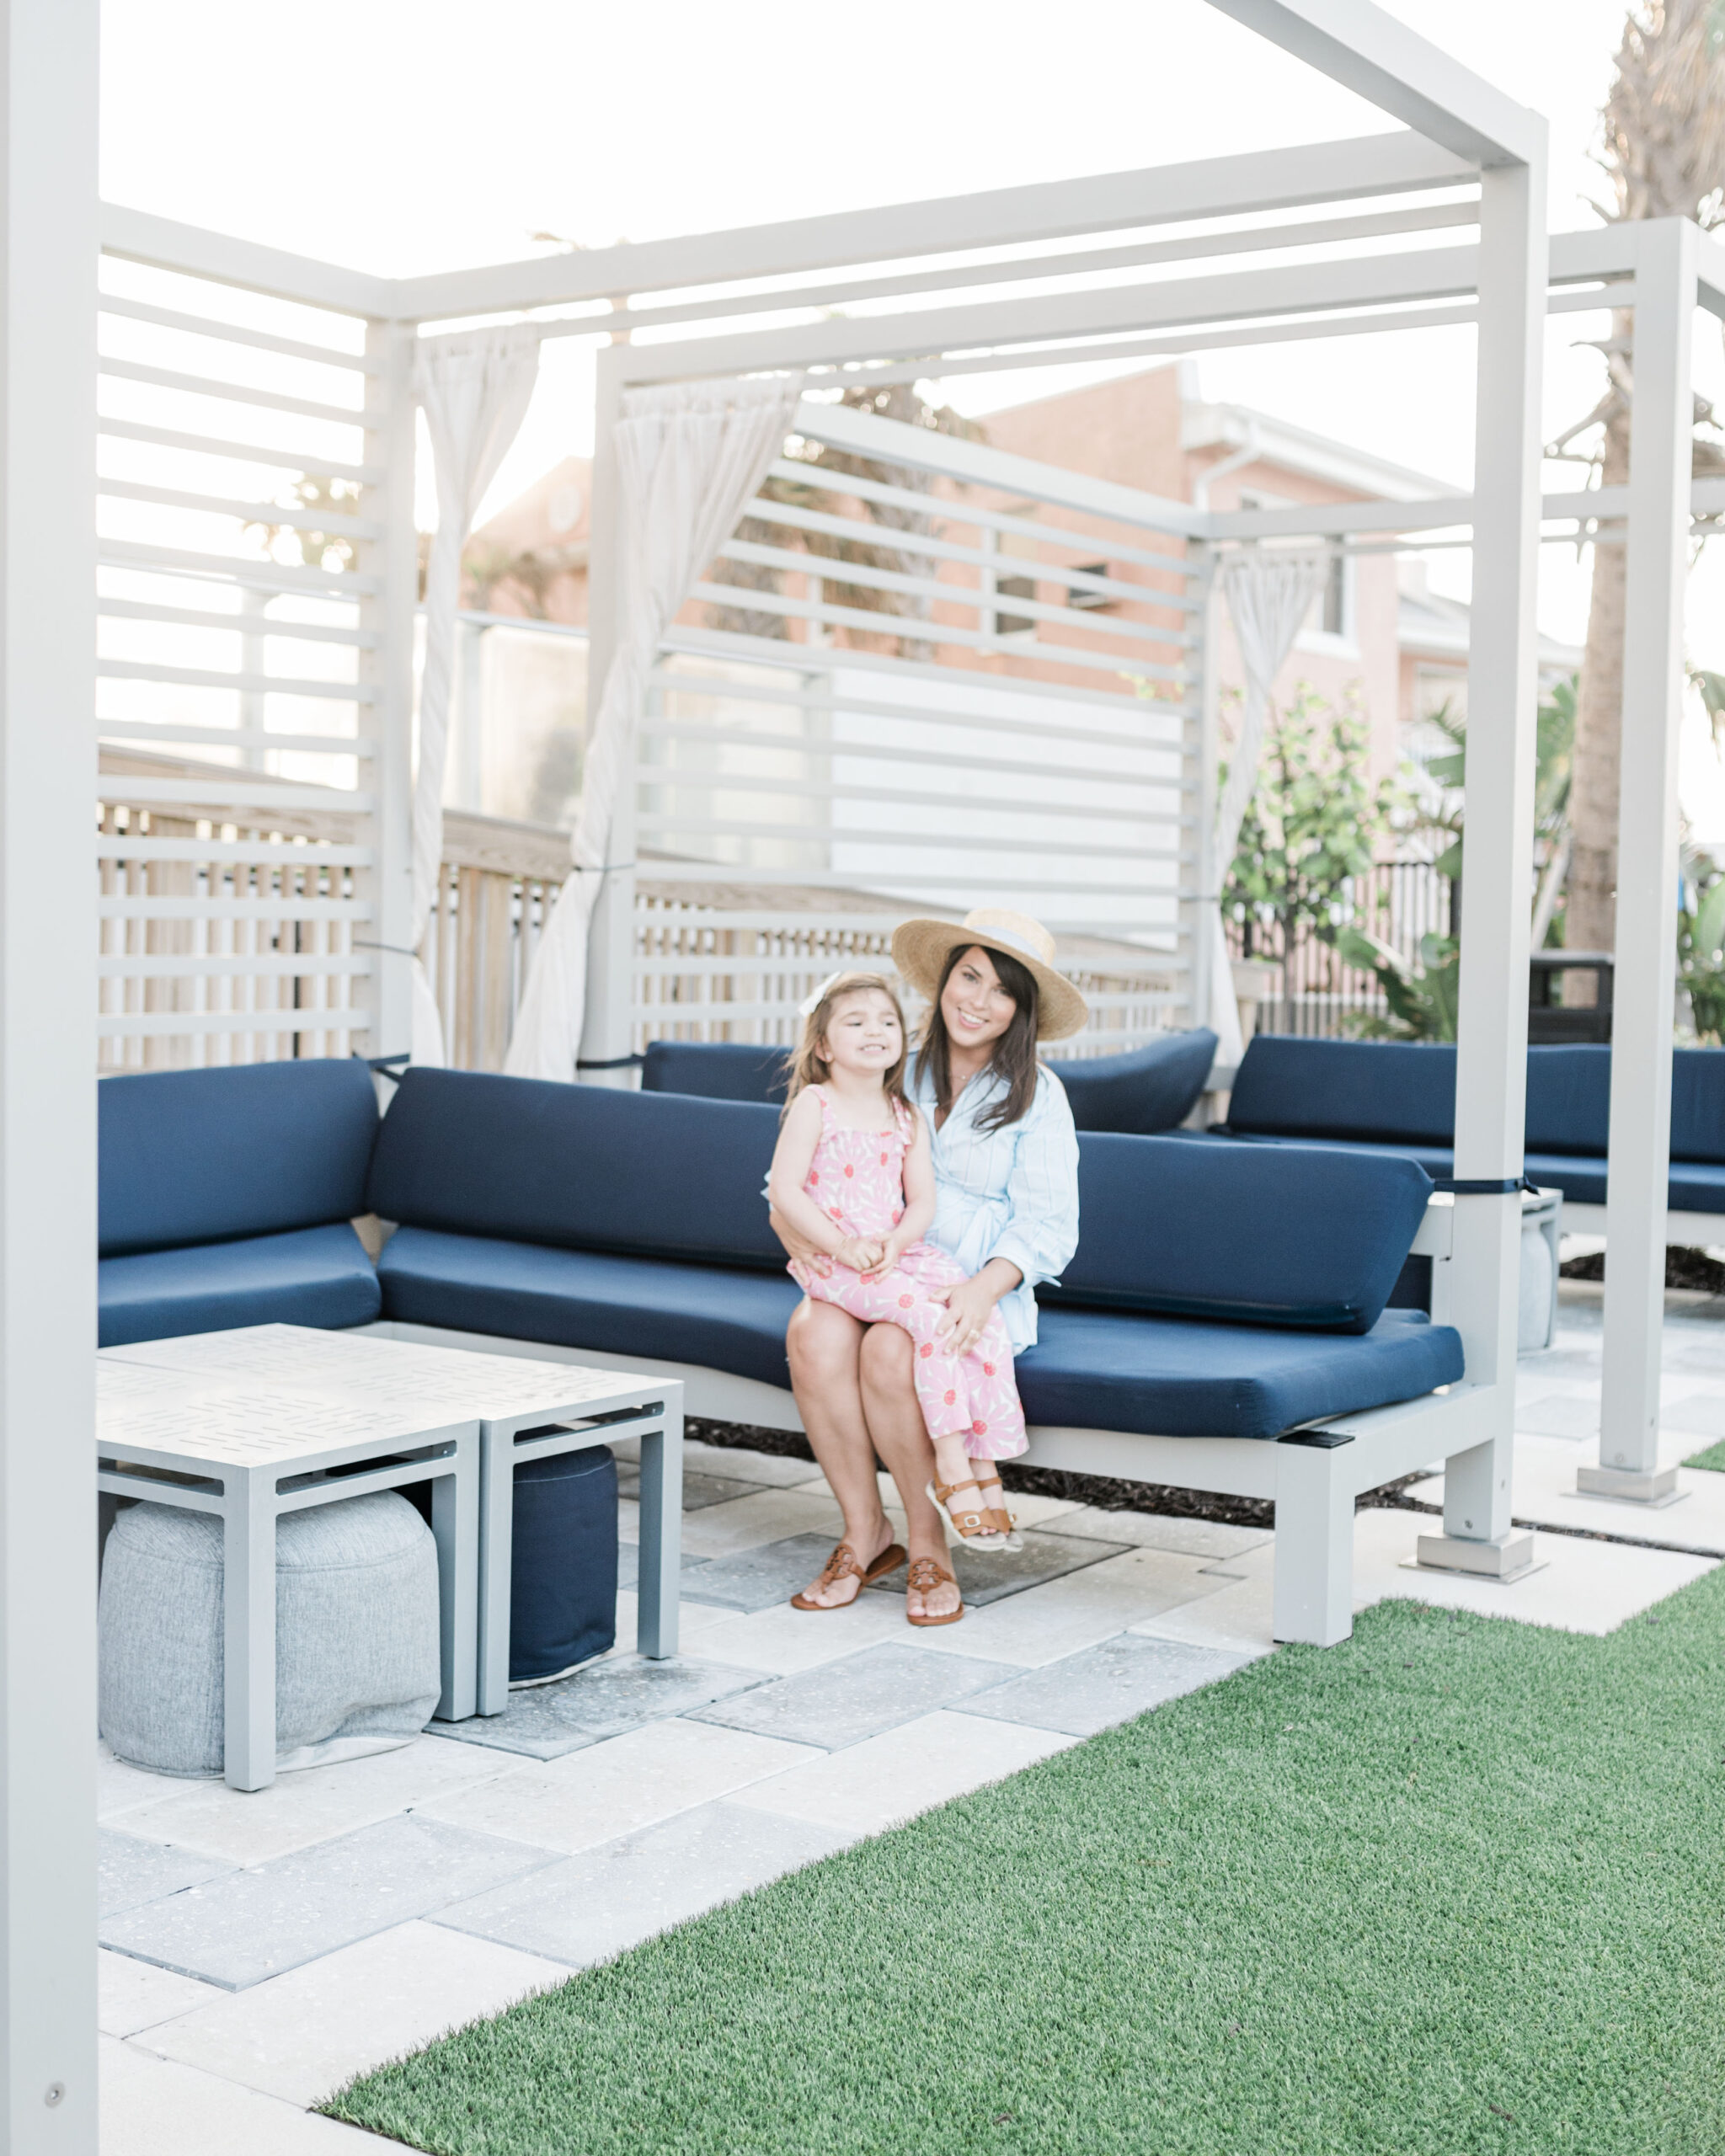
column 1568, row 1099
column 717, row 1071
column 1148, row 1090
column 202, row 1156
column 1286, row 1235
column 311, row 1276
column 1098, row 1370
column 655, row 1175
column 721, row 1318
column 1387, row 1090
column 1698, row 1104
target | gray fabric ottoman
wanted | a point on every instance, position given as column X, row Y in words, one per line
column 356, row 1634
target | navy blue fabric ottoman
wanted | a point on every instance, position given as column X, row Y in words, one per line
column 563, row 1575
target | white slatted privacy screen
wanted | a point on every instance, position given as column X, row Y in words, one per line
column 933, row 686
column 238, row 584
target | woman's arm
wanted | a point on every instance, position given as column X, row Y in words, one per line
column 1041, row 1229
column 799, row 1136
column 918, row 1216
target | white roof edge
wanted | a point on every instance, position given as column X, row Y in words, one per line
column 1297, row 449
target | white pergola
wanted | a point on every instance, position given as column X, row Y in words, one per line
column 1459, row 141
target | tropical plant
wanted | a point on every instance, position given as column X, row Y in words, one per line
column 1700, row 944
column 1421, row 1000
column 316, row 550
column 1310, row 834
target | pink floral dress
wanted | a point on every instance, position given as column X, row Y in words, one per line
column 857, row 1179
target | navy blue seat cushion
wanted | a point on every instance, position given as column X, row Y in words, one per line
column 655, row 1175
column 717, row 1071
column 1148, row 1090
column 202, row 1156
column 1093, row 1369
column 1393, row 1091
column 1287, row 1235
column 721, row 1318
column 311, row 1276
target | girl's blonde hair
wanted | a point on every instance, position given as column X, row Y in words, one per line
column 809, row 1065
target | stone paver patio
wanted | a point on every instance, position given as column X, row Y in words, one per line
column 258, row 1949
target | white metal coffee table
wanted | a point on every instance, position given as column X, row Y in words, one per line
column 526, row 1409
column 248, row 1450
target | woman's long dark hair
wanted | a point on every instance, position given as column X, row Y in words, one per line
column 1014, row 1058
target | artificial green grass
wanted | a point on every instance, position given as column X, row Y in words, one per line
column 1713, row 1457
column 1457, row 1886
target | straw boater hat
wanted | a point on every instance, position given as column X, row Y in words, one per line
column 921, row 949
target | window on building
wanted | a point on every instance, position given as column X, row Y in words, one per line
column 1014, row 587
column 1336, row 609
column 1078, row 596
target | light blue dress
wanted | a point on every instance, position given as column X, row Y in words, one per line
column 1011, row 1193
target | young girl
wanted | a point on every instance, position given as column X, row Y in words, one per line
column 852, row 1173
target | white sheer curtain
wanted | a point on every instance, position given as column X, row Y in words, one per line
column 690, row 457
column 475, row 389
column 1269, row 593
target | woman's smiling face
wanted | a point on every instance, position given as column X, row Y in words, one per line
column 976, row 1008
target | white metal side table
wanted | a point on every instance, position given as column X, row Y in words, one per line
column 248, row 1451
column 525, row 1410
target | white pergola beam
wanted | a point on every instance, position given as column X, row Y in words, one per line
column 1213, row 187
column 48, row 243
column 1368, row 51
column 139, row 237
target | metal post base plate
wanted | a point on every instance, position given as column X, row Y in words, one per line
column 1629, row 1486
column 1511, row 1558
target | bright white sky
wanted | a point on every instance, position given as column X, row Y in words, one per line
column 405, row 136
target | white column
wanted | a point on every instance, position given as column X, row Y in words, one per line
column 47, row 1081
column 1658, row 539
column 1490, row 1077
column 606, row 1031
column 1208, row 874
column 388, row 667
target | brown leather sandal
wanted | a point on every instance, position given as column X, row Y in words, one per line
column 842, row 1566
column 924, row 1576
column 970, row 1525
column 1000, row 1521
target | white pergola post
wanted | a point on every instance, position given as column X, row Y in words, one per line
column 1491, row 1076
column 388, row 667
column 1657, row 536
column 48, row 232
column 607, row 1027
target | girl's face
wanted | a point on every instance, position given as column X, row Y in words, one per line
column 976, row 1008
column 863, row 1033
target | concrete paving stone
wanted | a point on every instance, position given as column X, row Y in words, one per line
column 756, row 1579
column 617, row 1787
column 887, row 1778
column 1078, row 1610
column 252, row 1826
column 763, row 1516
column 842, row 1702
column 603, row 1699
column 155, row 2107
column 303, row 2036
column 121, row 1787
column 1575, row 1415
column 783, row 1641
column 1112, row 1683
column 248, row 1925
column 1702, row 1415
column 1234, row 1620
column 132, row 1995
column 132, row 1870
column 695, row 1619
column 699, row 1490
column 986, row 1577
column 629, row 1565
column 591, row 1907
column 769, row 1469
column 1189, row 1538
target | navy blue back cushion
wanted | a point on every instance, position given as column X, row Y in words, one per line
column 1387, row 1090
column 204, row 1156
column 1303, row 1235
column 1698, row 1104
column 1568, row 1098
column 717, row 1071
column 1149, row 1089
column 656, row 1175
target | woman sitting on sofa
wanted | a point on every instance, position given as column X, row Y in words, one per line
column 1006, row 1163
